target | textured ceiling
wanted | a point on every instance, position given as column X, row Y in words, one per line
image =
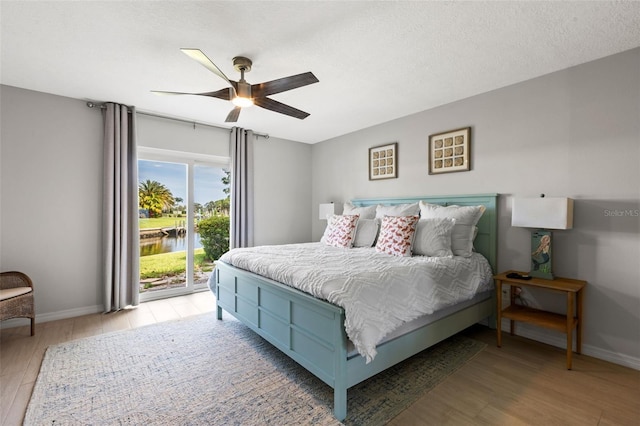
column 376, row 61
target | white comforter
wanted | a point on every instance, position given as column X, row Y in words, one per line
column 378, row 292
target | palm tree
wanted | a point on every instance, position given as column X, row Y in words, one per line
column 226, row 180
column 177, row 206
column 222, row 207
column 155, row 197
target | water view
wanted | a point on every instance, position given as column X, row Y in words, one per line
column 151, row 246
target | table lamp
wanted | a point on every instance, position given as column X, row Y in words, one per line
column 325, row 210
column 542, row 214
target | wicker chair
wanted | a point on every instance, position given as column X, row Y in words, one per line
column 16, row 297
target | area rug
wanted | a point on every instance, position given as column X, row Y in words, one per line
column 201, row 371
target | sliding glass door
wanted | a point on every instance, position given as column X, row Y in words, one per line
column 184, row 222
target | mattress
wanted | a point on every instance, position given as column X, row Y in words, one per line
column 424, row 320
column 378, row 292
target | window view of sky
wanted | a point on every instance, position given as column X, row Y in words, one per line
column 208, row 184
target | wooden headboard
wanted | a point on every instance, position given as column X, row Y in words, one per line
column 485, row 243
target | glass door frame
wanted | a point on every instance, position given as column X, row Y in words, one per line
column 190, row 160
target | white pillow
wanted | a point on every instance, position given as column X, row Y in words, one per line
column 340, row 230
column 366, row 232
column 466, row 219
column 396, row 235
column 368, row 212
column 397, row 210
column 433, row 237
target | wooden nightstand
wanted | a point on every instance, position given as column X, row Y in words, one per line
column 564, row 323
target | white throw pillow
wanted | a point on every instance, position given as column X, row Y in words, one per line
column 366, row 232
column 368, row 212
column 466, row 219
column 340, row 230
column 433, row 237
column 397, row 210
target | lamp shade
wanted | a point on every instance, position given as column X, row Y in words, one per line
column 325, row 210
column 544, row 213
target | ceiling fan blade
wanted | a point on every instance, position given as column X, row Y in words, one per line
column 198, row 56
column 163, row 93
column 276, row 106
column 233, row 115
column 225, row 93
column 283, row 84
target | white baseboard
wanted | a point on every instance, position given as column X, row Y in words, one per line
column 53, row 316
column 560, row 341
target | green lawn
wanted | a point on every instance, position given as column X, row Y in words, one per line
column 162, row 222
column 170, row 264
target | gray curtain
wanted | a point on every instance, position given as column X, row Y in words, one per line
column 120, row 208
column 241, row 188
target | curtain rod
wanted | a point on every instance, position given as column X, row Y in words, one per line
column 182, row 120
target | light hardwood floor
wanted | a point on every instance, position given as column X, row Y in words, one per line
column 522, row 383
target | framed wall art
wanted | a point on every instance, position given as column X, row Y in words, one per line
column 449, row 151
column 383, row 161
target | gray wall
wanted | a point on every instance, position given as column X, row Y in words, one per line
column 282, row 191
column 180, row 136
column 573, row 133
column 51, row 198
column 51, row 192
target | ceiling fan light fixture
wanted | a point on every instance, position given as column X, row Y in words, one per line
column 243, row 97
column 242, row 102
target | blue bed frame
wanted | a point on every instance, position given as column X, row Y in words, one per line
column 311, row 331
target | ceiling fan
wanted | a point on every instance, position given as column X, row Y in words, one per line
column 243, row 94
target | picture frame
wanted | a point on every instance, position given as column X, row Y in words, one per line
column 383, row 161
column 450, row 151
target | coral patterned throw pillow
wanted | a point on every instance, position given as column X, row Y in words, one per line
column 396, row 235
column 340, row 230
